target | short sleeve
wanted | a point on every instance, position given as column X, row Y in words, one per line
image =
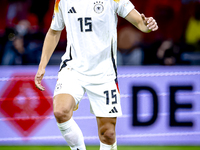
column 124, row 8
column 57, row 21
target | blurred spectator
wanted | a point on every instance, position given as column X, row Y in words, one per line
column 191, row 47
column 168, row 53
column 22, row 42
column 20, row 10
column 129, row 46
column 21, row 49
column 193, row 28
column 164, row 48
column 17, row 10
column 14, row 52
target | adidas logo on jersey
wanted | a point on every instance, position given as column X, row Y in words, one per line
column 72, row 10
column 114, row 110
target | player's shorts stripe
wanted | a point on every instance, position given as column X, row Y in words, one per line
column 117, row 86
column 113, row 60
column 115, row 67
column 65, row 61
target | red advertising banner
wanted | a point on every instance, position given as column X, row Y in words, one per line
column 20, row 99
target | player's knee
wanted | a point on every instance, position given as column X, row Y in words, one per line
column 62, row 116
column 108, row 136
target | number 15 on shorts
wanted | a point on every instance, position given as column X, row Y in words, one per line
column 111, row 97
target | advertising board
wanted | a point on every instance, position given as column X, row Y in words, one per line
column 161, row 106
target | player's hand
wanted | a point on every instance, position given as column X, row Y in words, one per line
column 150, row 22
column 38, row 79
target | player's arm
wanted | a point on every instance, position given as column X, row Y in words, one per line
column 141, row 22
column 50, row 43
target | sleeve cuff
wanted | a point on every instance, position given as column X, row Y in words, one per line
column 56, row 28
column 128, row 8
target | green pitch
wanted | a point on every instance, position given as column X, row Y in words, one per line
column 97, row 148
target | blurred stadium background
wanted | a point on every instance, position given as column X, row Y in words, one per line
column 159, row 79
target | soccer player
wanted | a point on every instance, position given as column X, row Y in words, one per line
column 89, row 64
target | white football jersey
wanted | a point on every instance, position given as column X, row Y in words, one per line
column 91, row 27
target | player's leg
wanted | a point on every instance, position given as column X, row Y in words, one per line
column 106, row 131
column 105, row 105
column 67, row 95
column 64, row 105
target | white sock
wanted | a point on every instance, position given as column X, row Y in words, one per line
column 108, row 147
column 72, row 134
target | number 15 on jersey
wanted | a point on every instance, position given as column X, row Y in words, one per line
column 85, row 24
